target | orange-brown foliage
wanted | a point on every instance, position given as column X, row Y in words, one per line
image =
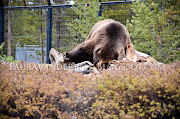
column 64, row 94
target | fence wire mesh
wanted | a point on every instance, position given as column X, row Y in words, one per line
column 62, row 38
column 29, row 26
column 119, row 12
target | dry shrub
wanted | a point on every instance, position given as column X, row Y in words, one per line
column 138, row 93
column 64, row 94
column 37, row 93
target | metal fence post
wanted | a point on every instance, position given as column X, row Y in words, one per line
column 24, row 52
column 49, row 34
column 1, row 24
column 100, row 11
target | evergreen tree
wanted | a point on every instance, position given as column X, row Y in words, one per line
column 152, row 33
column 87, row 12
column 118, row 12
column 27, row 26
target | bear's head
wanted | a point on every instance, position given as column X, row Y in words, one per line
column 77, row 56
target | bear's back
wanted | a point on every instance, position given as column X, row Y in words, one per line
column 98, row 27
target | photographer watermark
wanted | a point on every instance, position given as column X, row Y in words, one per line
column 84, row 66
column 140, row 66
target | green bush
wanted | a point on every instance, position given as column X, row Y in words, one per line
column 3, row 57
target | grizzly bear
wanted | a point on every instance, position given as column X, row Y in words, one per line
column 107, row 41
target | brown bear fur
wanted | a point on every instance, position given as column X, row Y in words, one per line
column 108, row 40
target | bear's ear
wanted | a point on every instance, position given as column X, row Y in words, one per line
column 64, row 54
column 130, row 46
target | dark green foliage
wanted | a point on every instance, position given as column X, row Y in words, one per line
column 87, row 12
column 119, row 12
column 28, row 27
column 153, row 33
column 3, row 57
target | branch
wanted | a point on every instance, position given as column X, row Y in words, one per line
column 56, row 57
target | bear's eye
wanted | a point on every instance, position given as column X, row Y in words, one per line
column 66, row 55
column 81, row 49
column 98, row 50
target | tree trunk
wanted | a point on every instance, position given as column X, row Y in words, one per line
column 56, row 57
column 9, row 31
column 58, row 38
column 58, row 17
column 41, row 39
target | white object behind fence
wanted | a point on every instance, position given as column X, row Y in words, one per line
column 30, row 53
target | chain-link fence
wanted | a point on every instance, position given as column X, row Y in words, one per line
column 29, row 25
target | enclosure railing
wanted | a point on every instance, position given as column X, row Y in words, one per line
column 49, row 18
